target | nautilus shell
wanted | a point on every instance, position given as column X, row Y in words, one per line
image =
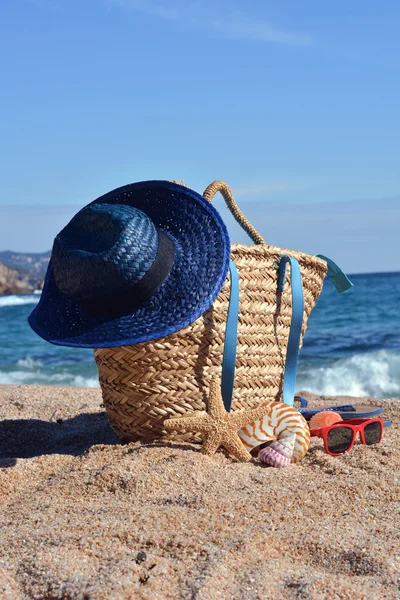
column 279, row 453
column 279, row 421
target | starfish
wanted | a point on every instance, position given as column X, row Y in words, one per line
column 218, row 427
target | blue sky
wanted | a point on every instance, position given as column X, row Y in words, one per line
column 293, row 103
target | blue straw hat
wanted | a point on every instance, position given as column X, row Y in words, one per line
column 137, row 264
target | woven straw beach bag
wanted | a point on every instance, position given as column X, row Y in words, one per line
column 146, row 383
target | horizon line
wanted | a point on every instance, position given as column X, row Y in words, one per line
column 396, row 272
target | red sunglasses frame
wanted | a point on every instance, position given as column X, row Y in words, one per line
column 356, row 425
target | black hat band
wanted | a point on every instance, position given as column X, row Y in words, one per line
column 142, row 290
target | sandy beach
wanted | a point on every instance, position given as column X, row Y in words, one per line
column 84, row 517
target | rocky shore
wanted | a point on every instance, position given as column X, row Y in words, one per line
column 22, row 273
column 84, row 517
column 11, row 282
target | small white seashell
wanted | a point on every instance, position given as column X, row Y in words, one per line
column 279, row 453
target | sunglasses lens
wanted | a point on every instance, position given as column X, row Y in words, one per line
column 339, row 439
column 372, row 433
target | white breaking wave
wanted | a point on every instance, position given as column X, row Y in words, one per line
column 19, row 300
column 29, row 363
column 80, row 381
column 371, row 374
column 40, row 378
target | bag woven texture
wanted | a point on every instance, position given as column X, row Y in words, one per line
column 144, row 384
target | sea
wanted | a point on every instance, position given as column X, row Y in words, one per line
column 351, row 347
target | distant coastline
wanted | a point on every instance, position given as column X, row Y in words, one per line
column 21, row 272
column 375, row 274
column 24, row 272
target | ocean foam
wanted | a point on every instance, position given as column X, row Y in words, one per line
column 29, row 363
column 370, row 374
column 43, row 378
column 14, row 300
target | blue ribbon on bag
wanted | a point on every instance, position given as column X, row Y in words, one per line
column 292, row 352
column 339, row 280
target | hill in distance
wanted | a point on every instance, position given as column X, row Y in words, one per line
column 22, row 272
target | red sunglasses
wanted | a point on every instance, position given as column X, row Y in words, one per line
column 340, row 437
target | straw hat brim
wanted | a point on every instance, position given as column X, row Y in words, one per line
column 196, row 278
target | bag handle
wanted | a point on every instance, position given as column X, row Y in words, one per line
column 226, row 192
column 230, row 343
column 293, row 347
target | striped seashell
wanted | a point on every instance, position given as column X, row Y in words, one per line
column 280, row 420
column 279, row 453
